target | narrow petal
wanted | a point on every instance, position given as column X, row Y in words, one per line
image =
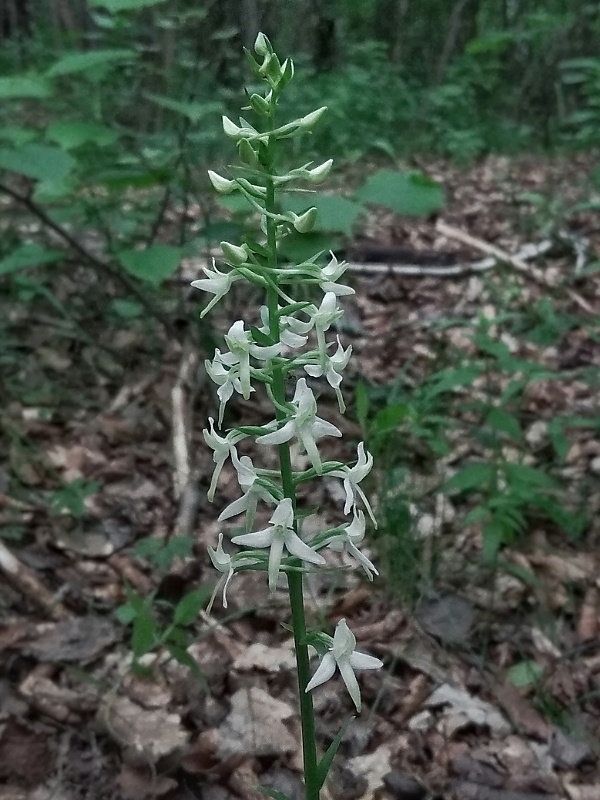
column 321, row 428
column 323, row 673
column 301, row 550
column 275, row 562
column 278, row 437
column 349, row 679
column 312, row 450
column 257, row 539
column 367, row 565
column 233, row 509
column 364, row 661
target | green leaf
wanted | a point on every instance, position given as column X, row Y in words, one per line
column 70, row 135
column 38, row 161
column 525, row 673
column 72, row 63
column 324, row 764
column 298, row 247
column 189, row 607
column 523, row 475
column 390, row 417
column 503, row 422
column 450, row 379
column 143, row 635
column 408, row 193
column 473, row 476
column 153, row 264
column 28, row 255
column 194, row 110
column 493, row 538
column 335, row 214
column 115, row 6
column 22, row 86
column 181, row 655
column 125, row 614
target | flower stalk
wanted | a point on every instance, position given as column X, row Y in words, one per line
column 272, row 355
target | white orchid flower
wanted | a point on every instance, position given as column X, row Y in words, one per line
column 331, row 367
column 223, row 447
column 329, row 275
column 226, row 564
column 241, row 347
column 304, row 424
column 278, row 535
column 352, row 535
column 323, row 318
column 352, row 476
column 217, row 283
column 342, row 655
column 292, row 331
column 224, row 371
column 252, row 489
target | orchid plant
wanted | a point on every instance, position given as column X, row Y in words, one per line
column 274, row 354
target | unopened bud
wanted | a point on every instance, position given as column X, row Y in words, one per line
column 221, row 185
column 318, row 174
column 308, row 122
column 234, row 254
column 259, row 104
column 305, row 222
column 230, row 128
column 247, row 153
column 262, row 45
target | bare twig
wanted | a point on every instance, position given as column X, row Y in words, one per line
column 27, row 582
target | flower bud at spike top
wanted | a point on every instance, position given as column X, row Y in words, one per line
column 306, row 222
column 230, row 128
column 262, row 45
column 308, row 122
column 259, row 104
column 318, row 174
column 220, row 184
column 234, row 254
column 247, row 153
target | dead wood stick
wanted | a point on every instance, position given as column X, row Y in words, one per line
column 181, row 420
column 27, row 582
column 484, row 247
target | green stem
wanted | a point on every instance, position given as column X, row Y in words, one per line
column 295, row 579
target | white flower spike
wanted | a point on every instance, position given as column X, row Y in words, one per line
column 252, row 489
column 278, row 535
column 331, row 367
column 343, row 656
column 226, row 564
column 305, row 425
column 241, row 348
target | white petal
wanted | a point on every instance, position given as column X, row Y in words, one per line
column 364, row 661
column 301, row 550
column 262, row 538
column 233, row 509
column 283, row 516
column 278, row 437
column 322, row 428
column 367, row 565
column 349, row 679
column 275, row 562
column 323, row 673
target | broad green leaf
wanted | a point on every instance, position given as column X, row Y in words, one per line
column 70, row 135
column 493, row 539
column 143, row 635
column 18, row 135
column 28, row 255
column 525, row 673
column 503, row 422
column 473, row 476
column 324, row 764
column 335, row 214
column 82, row 62
column 362, row 402
column 523, row 475
column 297, row 247
column 390, row 417
column 39, row 161
column 153, row 264
column 22, row 86
column 189, row 607
column 126, row 177
column 450, row 379
column 408, row 193
column 115, row 6
column 194, row 110
column 125, row 614
column 556, row 434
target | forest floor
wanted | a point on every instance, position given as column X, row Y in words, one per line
column 491, row 684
